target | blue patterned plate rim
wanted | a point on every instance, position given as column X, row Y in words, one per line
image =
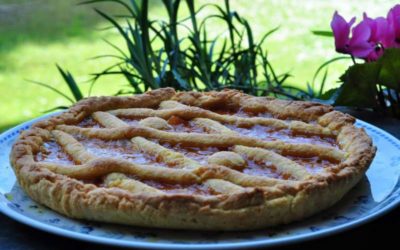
column 234, row 245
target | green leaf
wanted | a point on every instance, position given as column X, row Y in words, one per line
column 180, row 80
column 116, row 48
column 321, row 89
column 132, row 12
column 55, row 108
column 390, row 69
column 132, row 81
column 73, row 86
column 325, row 64
column 322, row 33
column 330, row 96
column 266, row 35
column 359, row 86
column 53, row 89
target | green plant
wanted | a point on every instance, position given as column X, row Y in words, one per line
column 192, row 60
column 374, row 83
column 181, row 54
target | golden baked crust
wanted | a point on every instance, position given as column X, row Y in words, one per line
column 214, row 192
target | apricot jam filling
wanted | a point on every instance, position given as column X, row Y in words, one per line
column 131, row 121
column 177, row 188
column 89, row 122
column 50, row 151
column 313, row 164
column 183, row 126
column 264, row 168
column 240, row 112
column 167, row 187
column 199, row 154
column 272, row 134
column 118, row 149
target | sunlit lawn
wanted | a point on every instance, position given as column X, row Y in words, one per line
column 36, row 34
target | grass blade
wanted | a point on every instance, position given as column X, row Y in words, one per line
column 115, row 1
column 51, row 88
column 322, row 33
column 326, row 64
column 321, row 88
column 73, row 86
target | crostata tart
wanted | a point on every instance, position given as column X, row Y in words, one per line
column 189, row 160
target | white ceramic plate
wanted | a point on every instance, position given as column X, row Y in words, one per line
column 377, row 193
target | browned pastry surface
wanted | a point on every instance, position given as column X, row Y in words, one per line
column 188, row 160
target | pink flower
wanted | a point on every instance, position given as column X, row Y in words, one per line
column 382, row 36
column 369, row 38
column 381, row 31
column 358, row 45
column 393, row 18
column 341, row 32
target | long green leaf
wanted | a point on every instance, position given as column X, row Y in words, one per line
column 326, row 64
column 266, row 35
column 115, row 1
column 321, row 89
column 323, row 33
column 54, row 109
column 73, row 86
column 116, row 48
column 52, row 88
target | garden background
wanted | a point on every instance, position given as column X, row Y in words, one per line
column 36, row 34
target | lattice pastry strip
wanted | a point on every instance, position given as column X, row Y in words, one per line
column 222, row 186
column 76, row 150
column 171, row 158
column 283, row 164
column 122, row 181
column 212, row 126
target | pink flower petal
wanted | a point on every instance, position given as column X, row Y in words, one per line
column 360, row 33
column 361, row 50
column 394, row 12
column 341, row 31
column 393, row 18
column 381, row 31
